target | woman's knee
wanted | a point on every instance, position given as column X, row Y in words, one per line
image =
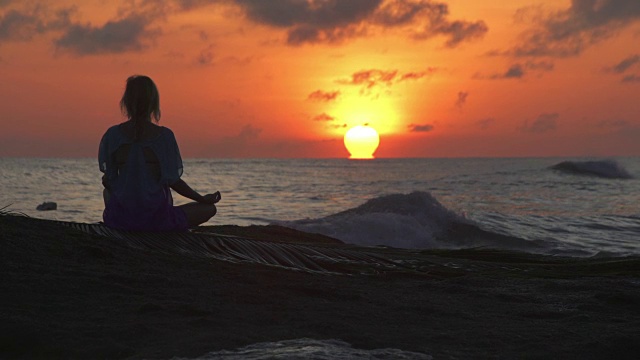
column 197, row 213
column 212, row 211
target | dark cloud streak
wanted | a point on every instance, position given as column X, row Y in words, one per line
column 462, row 99
column 335, row 21
column 417, row 75
column 519, row 71
column 431, row 20
column 631, row 79
column 323, row 117
column 128, row 34
column 626, row 64
column 569, row 32
column 371, row 78
column 305, row 22
column 324, row 96
column 311, row 22
column 420, row 128
column 23, row 25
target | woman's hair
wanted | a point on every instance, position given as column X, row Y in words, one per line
column 140, row 101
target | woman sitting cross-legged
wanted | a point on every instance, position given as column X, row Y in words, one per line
column 141, row 164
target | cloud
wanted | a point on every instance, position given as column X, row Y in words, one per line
column 542, row 124
column 515, row 71
column 371, row 78
column 206, row 56
column 193, row 4
column 613, row 124
column 486, row 123
column 420, row 128
column 320, row 95
column 518, row 70
column 24, row 24
column 540, row 65
column 323, row 117
column 631, row 79
column 333, row 21
column 626, row 64
column 417, row 75
column 128, row 34
column 309, row 34
column 428, row 19
column 368, row 79
column 569, row 32
column 311, row 21
column 321, row 14
column 462, row 99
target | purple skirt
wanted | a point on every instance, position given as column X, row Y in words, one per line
column 139, row 215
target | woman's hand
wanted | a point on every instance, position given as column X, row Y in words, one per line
column 185, row 190
column 211, row 198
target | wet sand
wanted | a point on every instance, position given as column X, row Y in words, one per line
column 66, row 294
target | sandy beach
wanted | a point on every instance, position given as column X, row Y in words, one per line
column 67, row 294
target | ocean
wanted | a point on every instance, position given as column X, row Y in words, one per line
column 506, row 305
column 557, row 206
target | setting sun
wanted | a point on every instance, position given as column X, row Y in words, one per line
column 361, row 142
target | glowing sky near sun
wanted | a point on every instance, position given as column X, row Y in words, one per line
column 288, row 78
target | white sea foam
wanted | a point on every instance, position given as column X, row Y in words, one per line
column 415, row 220
column 310, row 349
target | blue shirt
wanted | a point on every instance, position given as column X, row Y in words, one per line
column 140, row 201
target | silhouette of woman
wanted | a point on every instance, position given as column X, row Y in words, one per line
column 141, row 163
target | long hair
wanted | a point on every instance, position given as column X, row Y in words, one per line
column 140, row 102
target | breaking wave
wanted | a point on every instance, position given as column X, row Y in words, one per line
column 609, row 169
column 413, row 221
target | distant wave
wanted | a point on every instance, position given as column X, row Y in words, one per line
column 609, row 169
column 413, row 221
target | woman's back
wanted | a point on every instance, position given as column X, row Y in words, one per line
column 150, row 132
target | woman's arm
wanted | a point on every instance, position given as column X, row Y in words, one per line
column 182, row 188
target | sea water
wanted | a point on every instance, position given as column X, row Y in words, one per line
column 574, row 207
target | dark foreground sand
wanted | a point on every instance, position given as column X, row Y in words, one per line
column 65, row 294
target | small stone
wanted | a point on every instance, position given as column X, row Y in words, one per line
column 49, row 205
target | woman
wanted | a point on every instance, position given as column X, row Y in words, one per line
column 141, row 163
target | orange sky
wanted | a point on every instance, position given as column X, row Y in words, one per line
column 288, row 78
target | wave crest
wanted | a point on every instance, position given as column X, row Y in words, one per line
column 413, row 221
column 609, row 169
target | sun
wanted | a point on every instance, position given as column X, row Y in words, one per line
column 361, row 142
